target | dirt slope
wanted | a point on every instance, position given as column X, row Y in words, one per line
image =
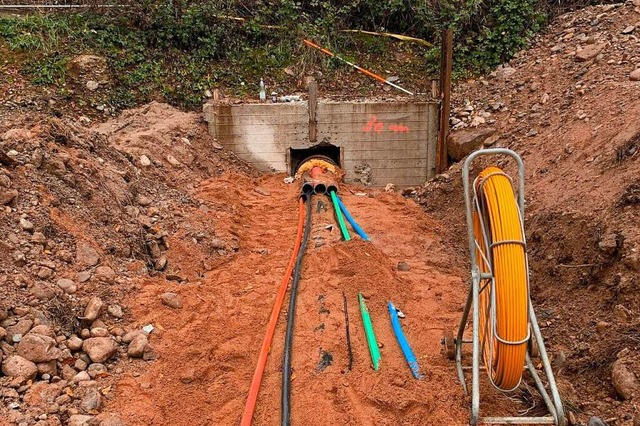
column 575, row 123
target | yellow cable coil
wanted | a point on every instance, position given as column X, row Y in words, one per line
column 498, row 211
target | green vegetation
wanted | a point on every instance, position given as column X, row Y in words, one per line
column 175, row 52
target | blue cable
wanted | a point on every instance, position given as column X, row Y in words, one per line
column 351, row 221
column 404, row 344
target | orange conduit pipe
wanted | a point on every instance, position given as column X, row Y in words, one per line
column 498, row 230
column 254, row 389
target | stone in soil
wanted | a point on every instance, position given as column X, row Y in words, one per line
column 463, row 142
column 93, row 309
column 150, row 353
column 86, row 255
column 403, row 266
column 105, row 274
column 171, row 300
column 67, row 285
column 37, row 348
column 137, row 345
column 74, row 343
column 80, row 420
column 100, row 349
column 624, row 379
column 17, row 366
column 96, row 369
column 115, row 311
column 635, row 75
column 16, row 331
column 589, row 52
column 91, row 401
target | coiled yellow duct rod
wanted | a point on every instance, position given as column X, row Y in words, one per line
column 500, row 249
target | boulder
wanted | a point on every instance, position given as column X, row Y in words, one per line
column 463, row 142
column 93, row 309
column 589, row 52
column 38, row 348
column 137, row 345
column 17, row 366
column 86, row 255
column 100, row 349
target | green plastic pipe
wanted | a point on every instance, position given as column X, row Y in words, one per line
column 368, row 331
column 336, row 207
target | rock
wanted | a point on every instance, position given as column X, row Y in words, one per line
column 56, row 167
column 161, row 263
column 96, row 369
column 42, row 291
column 105, row 274
column 635, row 75
column 49, row 368
column 403, row 266
column 171, row 300
column 100, row 349
column 610, row 243
column 150, row 353
column 67, row 285
column 17, row 135
column 620, row 313
column 17, row 366
column 79, row 420
column 112, row 420
column 505, row 72
column 145, row 161
column 99, row 332
column 589, row 52
column 26, row 225
column 74, row 343
column 172, row 160
column 624, row 379
column 8, row 196
column 137, row 345
column 68, row 373
column 37, row 348
column 143, row 200
column 92, row 85
column 115, row 311
column 82, row 376
column 261, row 191
column 462, row 142
column 629, row 29
column 91, row 400
column 596, row 421
column 93, row 309
column 128, row 338
column 21, row 328
column 86, row 255
column 83, row 277
column 80, row 364
column 601, row 327
column 39, row 238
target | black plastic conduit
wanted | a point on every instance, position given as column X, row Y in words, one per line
column 288, row 340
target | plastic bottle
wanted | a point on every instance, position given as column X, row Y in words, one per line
column 263, row 93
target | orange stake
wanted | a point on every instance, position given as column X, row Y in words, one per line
column 252, row 398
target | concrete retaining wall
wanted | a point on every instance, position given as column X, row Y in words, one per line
column 379, row 142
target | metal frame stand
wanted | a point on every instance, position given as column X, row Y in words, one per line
column 553, row 403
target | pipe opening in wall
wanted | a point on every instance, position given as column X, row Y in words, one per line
column 324, row 151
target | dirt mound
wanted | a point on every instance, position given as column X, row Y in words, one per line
column 569, row 107
column 208, row 349
column 84, row 211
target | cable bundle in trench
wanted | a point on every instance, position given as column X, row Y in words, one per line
column 501, row 250
column 288, row 340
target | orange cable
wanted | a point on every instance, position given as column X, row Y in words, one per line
column 501, row 218
column 252, row 398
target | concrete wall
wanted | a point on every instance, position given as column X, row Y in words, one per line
column 380, row 142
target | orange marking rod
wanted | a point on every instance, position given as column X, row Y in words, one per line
column 362, row 70
column 252, row 398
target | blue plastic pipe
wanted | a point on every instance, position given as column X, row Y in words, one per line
column 352, row 222
column 404, row 344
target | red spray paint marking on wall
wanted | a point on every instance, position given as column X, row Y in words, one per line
column 373, row 125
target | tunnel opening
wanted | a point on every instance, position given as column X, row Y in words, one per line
column 325, row 151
